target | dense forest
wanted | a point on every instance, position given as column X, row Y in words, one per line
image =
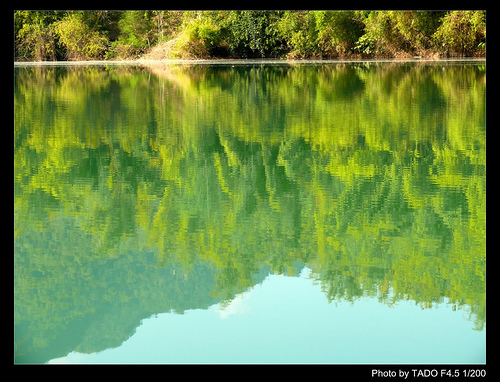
column 117, row 35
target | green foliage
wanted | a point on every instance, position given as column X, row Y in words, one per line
column 136, row 34
column 43, row 35
column 382, row 29
column 298, row 30
column 417, row 27
column 461, row 32
column 338, row 31
column 365, row 45
column 390, row 32
column 135, row 28
column 165, row 24
column 37, row 42
column 80, row 40
column 200, row 36
column 138, row 31
column 253, row 33
column 34, row 35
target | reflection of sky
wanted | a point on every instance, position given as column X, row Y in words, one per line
column 288, row 320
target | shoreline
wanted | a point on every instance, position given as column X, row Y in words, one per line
column 271, row 61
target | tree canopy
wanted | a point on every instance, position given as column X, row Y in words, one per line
column 80, row 35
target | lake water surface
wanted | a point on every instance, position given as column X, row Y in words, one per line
column 250, row 213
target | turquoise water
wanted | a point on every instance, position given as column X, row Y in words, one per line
column 278, row 320
column 258, row 213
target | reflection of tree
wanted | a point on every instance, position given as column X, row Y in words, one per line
column 372, row 175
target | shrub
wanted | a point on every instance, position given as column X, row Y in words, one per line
column 254, row 33
column 461, row 32
column 417, row 27
column 381, row 29
column 34, row 36
column 36, row 41
column 338, row 31
column 80, row 41
column 299, row 33
column 365, row 45
column 199, row 38
column 136, row 35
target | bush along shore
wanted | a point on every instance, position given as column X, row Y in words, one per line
column 123, row 35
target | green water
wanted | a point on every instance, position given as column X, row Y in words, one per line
column 326, row 213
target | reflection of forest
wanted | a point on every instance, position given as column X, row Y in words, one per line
column 146, row 190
